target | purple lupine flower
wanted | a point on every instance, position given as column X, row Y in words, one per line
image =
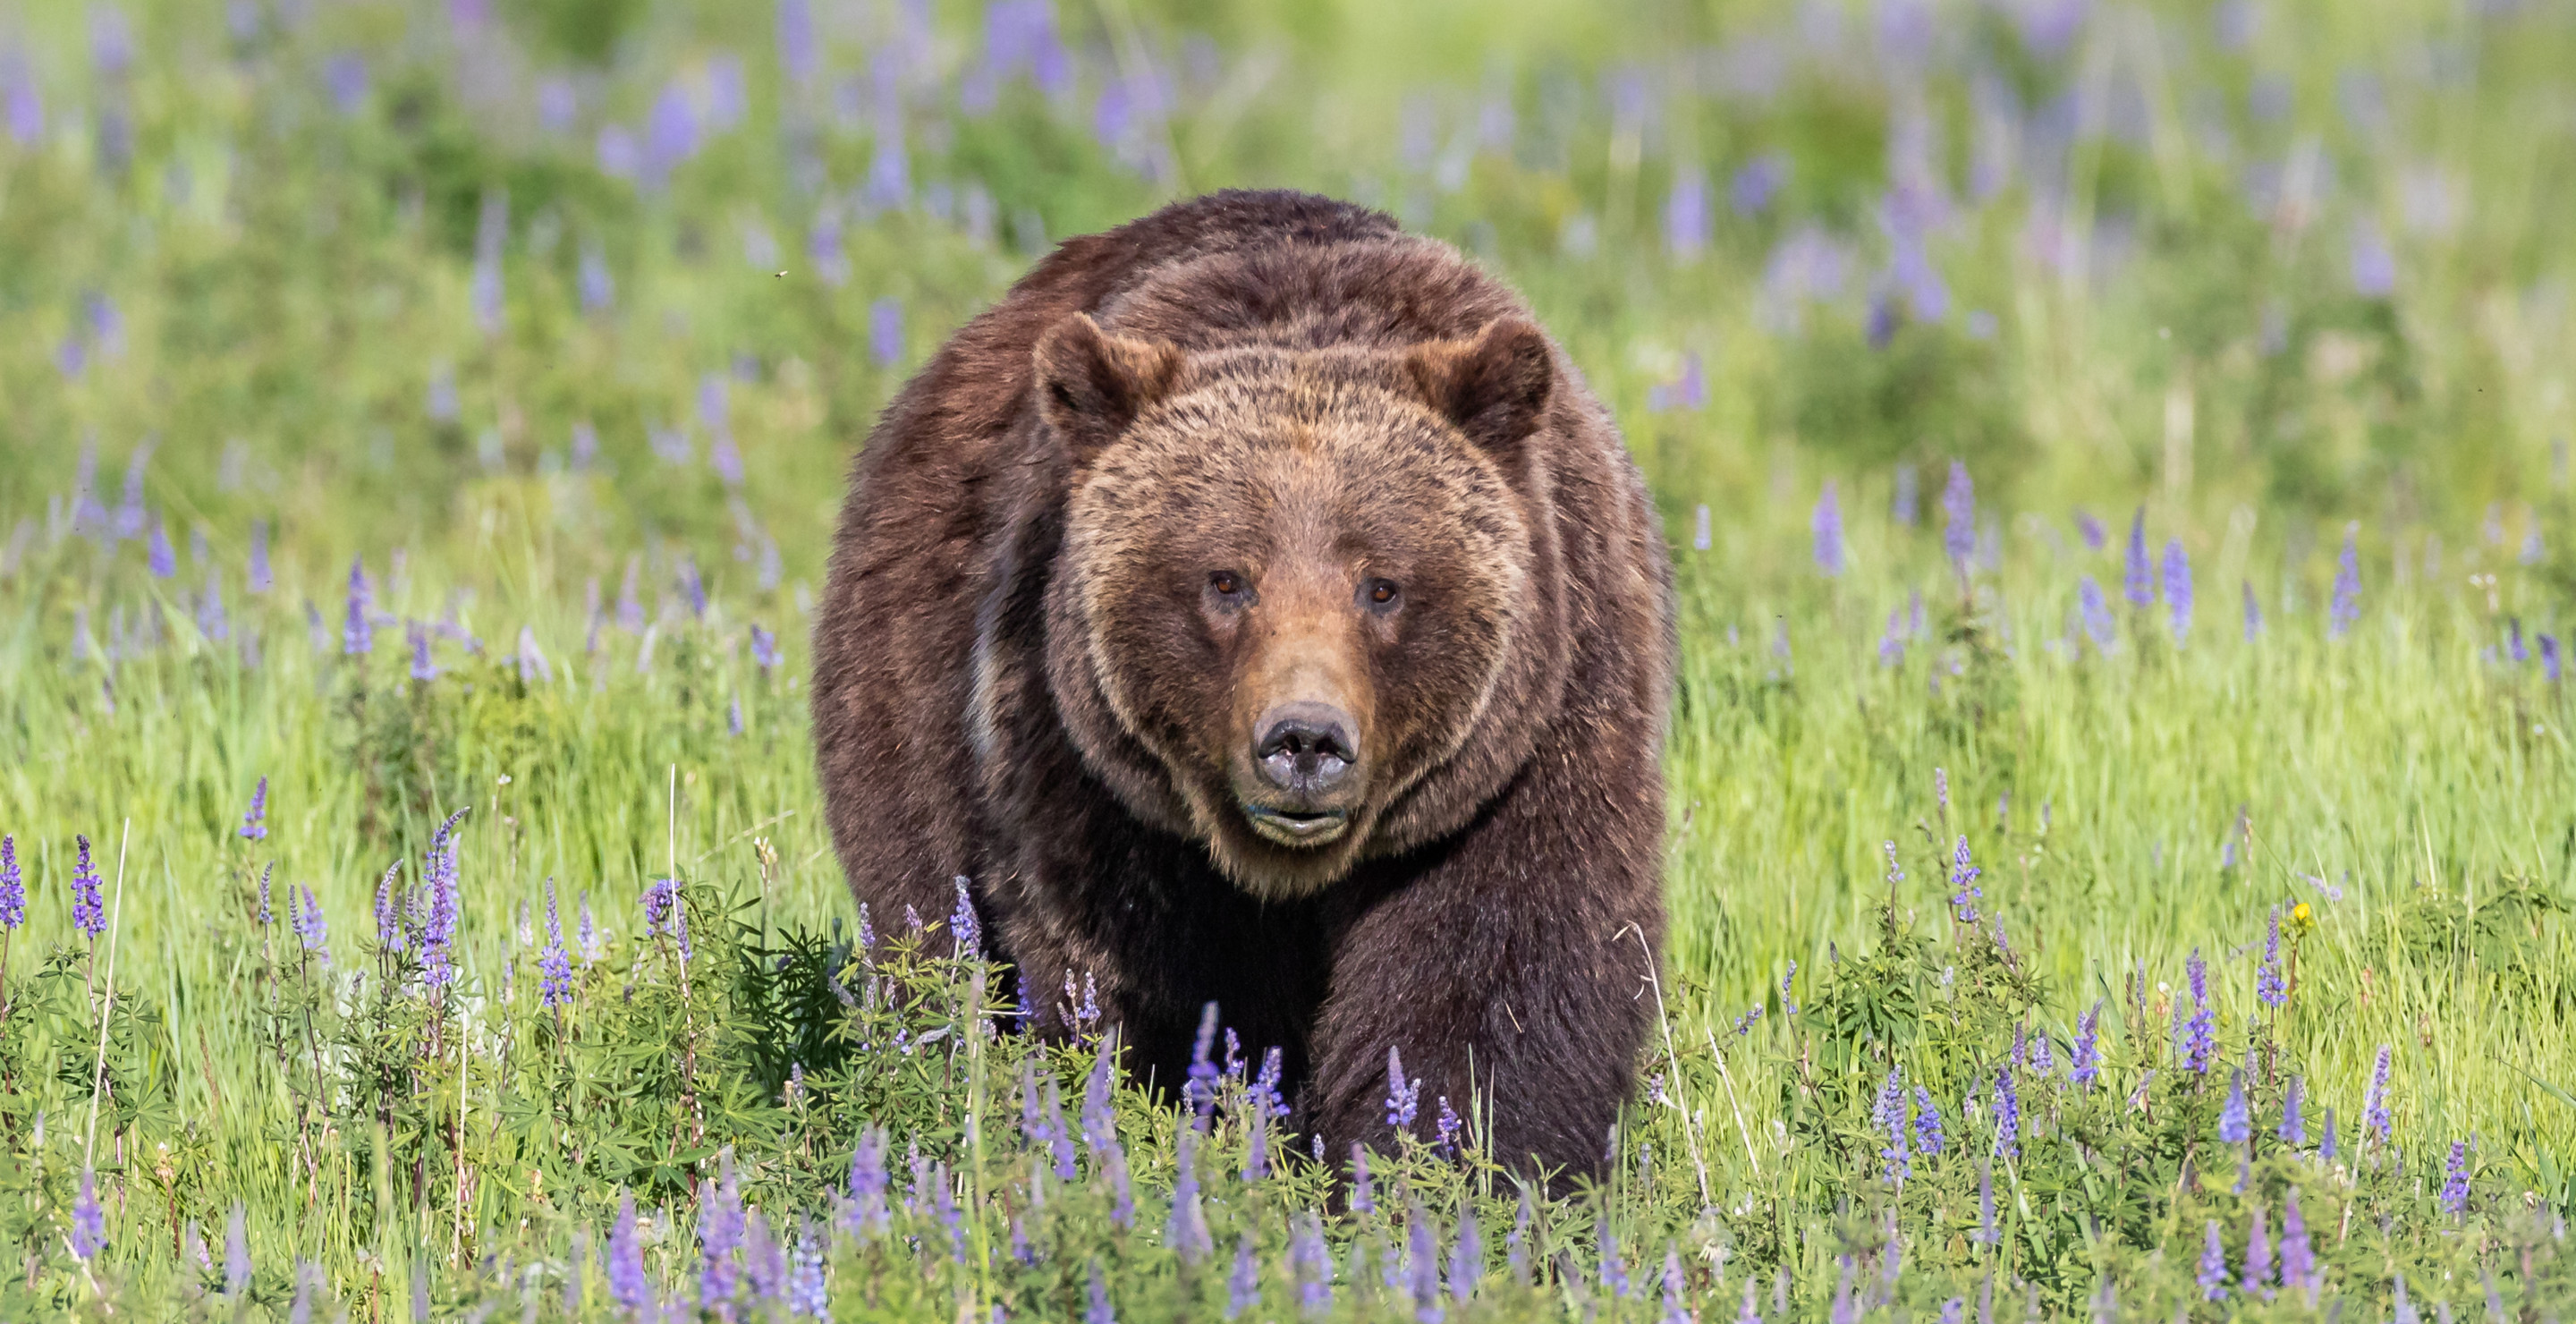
column 1311, row 1263
column 2178, row 590
column 311, row 929
column 2235, row 1122
column 764, row 649
column 2374, row 269
column 556, row 964
column 2253, row 614
column 1927, row 1124
column 2326, row 1142
column 2199, row 1046
column 256, row 578
column 423, row 669
column 13, row 887
column 867, row 1213
column 1098, row 1312
column 89, row 1222
column 2088, row 528
column 1265, row 1086
column 2374, row 1106
column 531, row 660
column 1788, row 1005
column 598, row 287
column 1362, row 1201
column 660, row 897
column 389, row 934
column 2455, row 1180
column 2095, row 611
column 624, row 1265
column 438, row 928
column 2138, row 576
column 798, row 53
column 237, row 1252
column 2298, row 1257
column 1447, row 1128
column 693, row 587
column 1200, row 1088
column 2258, row 1258
column 2294, row 1127
column 211, row 621
column 963, row 924
column 2007, row 1114
column 1466, row 1257
column 357, row 635
column 164, row 561
column 2345, row 608
column 2213, row 1266
column 1243, row 1286
column 2549, row 658
column 764, row 1263
column 670, row 136
column 1422, row 1261
column 255, row 822
column 266, row 918
column 89, row 907
column 1964, row 892
column 1122, row 1208
column 1686, row 214
column 1829, row 532
column 1959, row 514
column 885, row 332
column 2268, row 987
column 1614, row 1271
column 1099, row 1121
column 720, row 1234
column 1890, row 1115
column 1676, row 1311
column 1403, row 1098
column 2088, row 1047
column 26, row 109
column 1756, row 183
column 1186, row 1231
column 809, row 1290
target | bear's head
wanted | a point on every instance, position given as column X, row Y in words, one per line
column 1289, row 578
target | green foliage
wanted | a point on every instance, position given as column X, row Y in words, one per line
column 270, row 288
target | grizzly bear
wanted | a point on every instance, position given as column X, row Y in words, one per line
column 1255, row 607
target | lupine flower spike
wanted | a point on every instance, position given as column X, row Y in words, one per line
column 13, row 887
column 89, row 905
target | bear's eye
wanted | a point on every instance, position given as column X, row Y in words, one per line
column 1379, row 594
column 1226, row 583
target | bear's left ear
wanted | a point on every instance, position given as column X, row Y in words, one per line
column 1092, row 384
column 1493, row 387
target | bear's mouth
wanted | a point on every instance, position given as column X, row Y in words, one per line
column 1298, row 827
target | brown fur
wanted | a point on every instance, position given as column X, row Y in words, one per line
column 1145, row 498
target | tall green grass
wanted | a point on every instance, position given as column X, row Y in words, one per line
column 293, row 287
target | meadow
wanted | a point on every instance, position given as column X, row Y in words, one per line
column 2123, row 814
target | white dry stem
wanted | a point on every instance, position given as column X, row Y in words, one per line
column 107, row 1006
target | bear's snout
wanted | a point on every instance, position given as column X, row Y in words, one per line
column 1305, row 748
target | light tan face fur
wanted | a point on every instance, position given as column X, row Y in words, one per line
column 1292, row 533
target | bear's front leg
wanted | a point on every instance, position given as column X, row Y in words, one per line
column 1509, row 968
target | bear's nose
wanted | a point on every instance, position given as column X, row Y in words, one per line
column 1305, row 747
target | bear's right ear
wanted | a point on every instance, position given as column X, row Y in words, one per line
column 1092, row 384
column 1494, row 387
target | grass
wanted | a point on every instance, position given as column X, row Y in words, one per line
column 272, row 298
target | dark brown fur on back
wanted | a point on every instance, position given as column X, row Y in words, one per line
column 991, row 637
